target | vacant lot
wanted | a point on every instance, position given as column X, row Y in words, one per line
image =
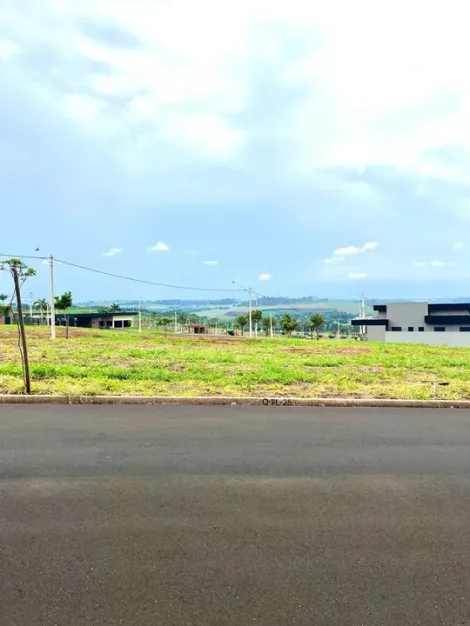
column 114, row 362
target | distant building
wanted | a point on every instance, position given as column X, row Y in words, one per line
column 120, row 319
column 419, row 322
column 197, row 329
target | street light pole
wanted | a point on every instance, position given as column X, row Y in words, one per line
column 51, row 268
column 250, row 323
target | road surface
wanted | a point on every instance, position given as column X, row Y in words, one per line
column 218, row 516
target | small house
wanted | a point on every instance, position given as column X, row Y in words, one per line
column 120, row 319
column 197, row 329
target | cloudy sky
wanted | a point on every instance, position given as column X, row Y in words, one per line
column 300, row 147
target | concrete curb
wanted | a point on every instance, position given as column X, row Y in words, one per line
column 235, row 401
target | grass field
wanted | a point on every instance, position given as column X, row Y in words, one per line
column 116, row 362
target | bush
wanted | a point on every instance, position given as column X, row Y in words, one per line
column 331, row 336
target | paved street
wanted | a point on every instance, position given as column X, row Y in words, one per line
column 218, row 516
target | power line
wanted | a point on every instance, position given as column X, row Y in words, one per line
column 135, row 280
column 138, row 280
column 23, row 256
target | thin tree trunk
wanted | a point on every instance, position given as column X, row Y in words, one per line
column 27, row 379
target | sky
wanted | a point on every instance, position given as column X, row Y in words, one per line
column 300, row 148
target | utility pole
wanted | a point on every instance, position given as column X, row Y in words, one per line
column 24, row 347
column 363, row 312
column 31, row 300
column 51, row 269
column 140, row 314
column 176, row 322
column 250, row 324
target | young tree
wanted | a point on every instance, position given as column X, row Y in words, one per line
column 266, row 322
column 20, row 272
column 316, row 321
column 3, row 297
column 153, row 318
column 213, row 323
column 164, row 321
column 256, row 317
column 114, row 308
column 289, row 323
column 5, row 310
column 63, row 302
column 41, row 305
column 241, row 321
column 182, row 317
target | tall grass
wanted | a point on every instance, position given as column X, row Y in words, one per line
column 92, row 362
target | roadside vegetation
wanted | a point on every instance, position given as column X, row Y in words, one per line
column 119, row 362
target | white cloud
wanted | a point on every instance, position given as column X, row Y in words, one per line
column 347, row 251
column 8, row 49
column 210, row 262
column 458, row 245
column 207, row 134
column 436, row 263
column 333, row 259
column 370, row 245
column 82, row 107
column 401, row 118
column 265, row 276
column 160, row 247
column 351, row 250
column 357, row 275
column 112, row 252
column 420, row 264
column 354, row 109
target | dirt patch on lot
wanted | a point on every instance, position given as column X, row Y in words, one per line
column 351, row 350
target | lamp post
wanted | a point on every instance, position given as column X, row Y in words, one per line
column 248, row 289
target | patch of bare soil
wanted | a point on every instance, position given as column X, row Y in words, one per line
column 350, row 350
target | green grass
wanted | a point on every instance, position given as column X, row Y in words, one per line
column 116, row 362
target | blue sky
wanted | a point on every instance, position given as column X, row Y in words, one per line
column 301, row 149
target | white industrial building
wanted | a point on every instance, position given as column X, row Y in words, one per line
column 446, row 324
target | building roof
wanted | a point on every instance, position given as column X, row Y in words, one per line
column 369, row 321
column 433, row 307
column 96, row 315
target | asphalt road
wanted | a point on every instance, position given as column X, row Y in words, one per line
column 224, row 516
